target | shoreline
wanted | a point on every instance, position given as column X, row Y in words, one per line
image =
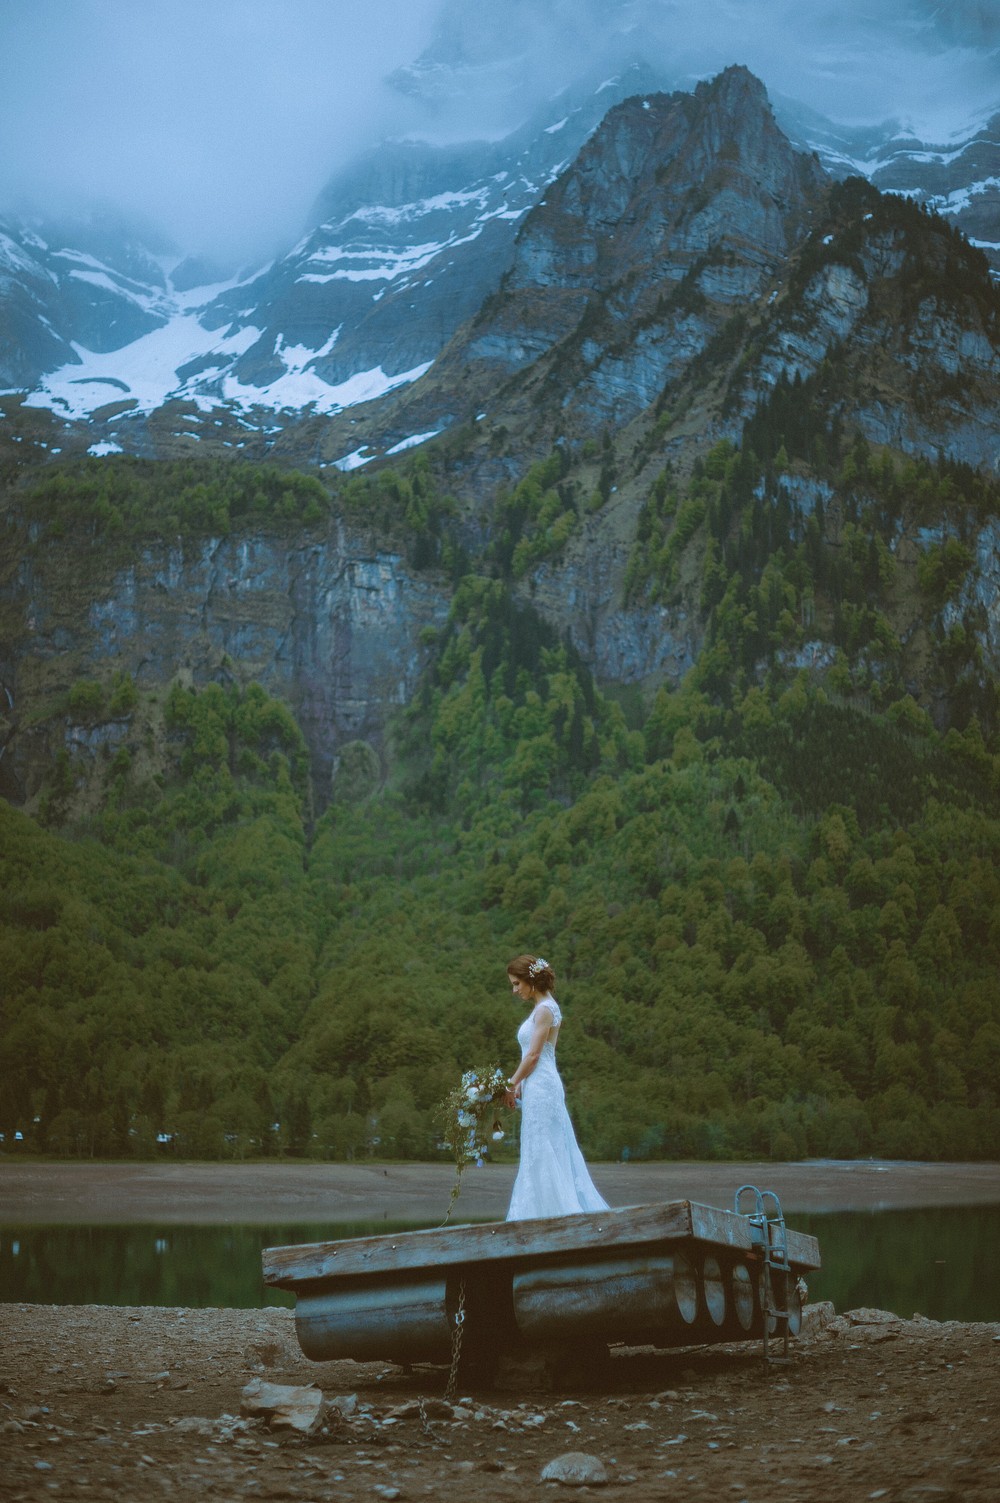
column 259, row 1193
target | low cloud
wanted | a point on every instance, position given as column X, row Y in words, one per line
column 219, row 119
column 222, row 119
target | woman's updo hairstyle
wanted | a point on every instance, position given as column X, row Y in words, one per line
column 533, row 969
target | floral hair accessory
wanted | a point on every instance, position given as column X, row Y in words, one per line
column 537, row 965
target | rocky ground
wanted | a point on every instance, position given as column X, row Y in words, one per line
column 102, row 1403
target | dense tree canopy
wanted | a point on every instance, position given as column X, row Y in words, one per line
column 771, row 895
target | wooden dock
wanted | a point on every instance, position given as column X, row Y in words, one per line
column 565, row 1287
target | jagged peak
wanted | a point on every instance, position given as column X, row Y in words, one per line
column 734, row 88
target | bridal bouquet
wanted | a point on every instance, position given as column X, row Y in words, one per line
column 469, row 1115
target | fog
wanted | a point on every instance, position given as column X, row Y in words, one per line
column 217, row 119
column 857, row 61
column 221, row 119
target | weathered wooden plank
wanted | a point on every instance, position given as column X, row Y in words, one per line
column 441, row 1247
column 727, row 1229
column 447, row 1246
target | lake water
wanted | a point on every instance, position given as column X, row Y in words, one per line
column 939, row 1263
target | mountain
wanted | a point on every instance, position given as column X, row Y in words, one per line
column 98, row 283
column 660, row 616
column 958, row 178
column 689, row 280
column 406, row 244
column 680, row 209
column 131, row 347
column 690, row 233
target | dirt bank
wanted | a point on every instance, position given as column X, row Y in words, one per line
column 119, row 1404
column 33, row 1193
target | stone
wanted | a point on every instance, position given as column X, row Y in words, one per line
column 346, row 1404
column 576, row 1469
column 284, row 1407
column 817, row 1317
column 868, row 1317
column 438, row 1409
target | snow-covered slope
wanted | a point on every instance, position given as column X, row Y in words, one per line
column 408, row 243
column 94, row 285
column 98, row 323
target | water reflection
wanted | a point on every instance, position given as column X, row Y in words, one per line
column 936, row 1262
column 190, row 1266
column 939, row 1262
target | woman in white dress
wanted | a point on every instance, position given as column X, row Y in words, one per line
column 553, row 1179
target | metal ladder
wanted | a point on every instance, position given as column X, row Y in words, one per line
column 770, row 1239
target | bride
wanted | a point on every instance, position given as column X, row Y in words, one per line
column 553, row 1179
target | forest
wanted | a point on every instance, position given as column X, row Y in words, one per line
column 770, row 894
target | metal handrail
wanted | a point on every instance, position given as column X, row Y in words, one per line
column 769, row 1236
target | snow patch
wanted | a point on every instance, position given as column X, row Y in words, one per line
column 355, row 460
column 146, row 369
column 298, row 389
column 149, row 304
column 296, row 357
column 961, row 198
column 105, row 446
column 13, row 256
column 384, row 215
column 413, row 441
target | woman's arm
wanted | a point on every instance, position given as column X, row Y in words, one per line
column 539, row 1033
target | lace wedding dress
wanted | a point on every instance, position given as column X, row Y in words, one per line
column 553, row 1179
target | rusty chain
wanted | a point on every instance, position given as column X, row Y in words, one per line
column 457, row 1332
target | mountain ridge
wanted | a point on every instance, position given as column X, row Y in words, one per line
column 367, row 300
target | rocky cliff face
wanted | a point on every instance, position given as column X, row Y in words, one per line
column 332, row 624
column 958, row 178
column 686, row 261
column 908, row 307
column 680, row 208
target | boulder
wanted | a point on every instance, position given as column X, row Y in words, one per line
column 284, row 1407
column 576, row 1469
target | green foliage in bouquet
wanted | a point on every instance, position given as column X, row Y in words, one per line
column 470, row 1122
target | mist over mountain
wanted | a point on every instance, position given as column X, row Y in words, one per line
column 911, row 60
column 222, row 122
column 408, row 237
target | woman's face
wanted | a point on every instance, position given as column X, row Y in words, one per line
column 522, row 989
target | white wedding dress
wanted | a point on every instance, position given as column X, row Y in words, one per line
column 553, row 1179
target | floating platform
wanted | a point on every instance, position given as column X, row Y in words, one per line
column 565, row 1287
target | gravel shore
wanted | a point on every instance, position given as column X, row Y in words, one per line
column 123, row 1404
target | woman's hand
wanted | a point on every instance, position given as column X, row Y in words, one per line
column 510, row 1100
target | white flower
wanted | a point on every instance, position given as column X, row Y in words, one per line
column 466, row 1119
column 498, row 1135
